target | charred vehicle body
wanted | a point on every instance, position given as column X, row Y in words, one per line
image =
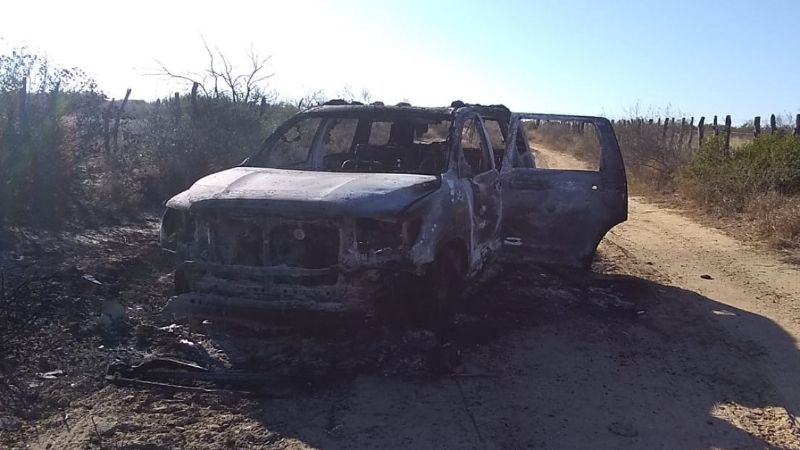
column 347, row 203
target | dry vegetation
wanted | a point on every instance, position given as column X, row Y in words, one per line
column 759, row 181
column 70, row 157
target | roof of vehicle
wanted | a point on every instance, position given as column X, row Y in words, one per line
column 335, row 107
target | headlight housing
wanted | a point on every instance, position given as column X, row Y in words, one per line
column 375, row 234
column 174, row 224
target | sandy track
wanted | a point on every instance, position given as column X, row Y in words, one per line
column 741, row 277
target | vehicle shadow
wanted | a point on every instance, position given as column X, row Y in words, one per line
column 546, row 358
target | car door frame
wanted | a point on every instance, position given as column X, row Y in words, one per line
column 485, row 191
column 559, row 216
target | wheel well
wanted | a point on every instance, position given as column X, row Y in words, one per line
column 458, row 247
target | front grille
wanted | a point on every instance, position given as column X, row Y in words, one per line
column 270, row 241
column 238, row 242
column 308, row 245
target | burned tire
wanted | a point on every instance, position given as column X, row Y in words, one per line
column 181, row 282
column 444, row 284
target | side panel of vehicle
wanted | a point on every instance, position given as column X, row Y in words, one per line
column 560, row 216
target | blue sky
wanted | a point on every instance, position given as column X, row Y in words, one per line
column 585, row 57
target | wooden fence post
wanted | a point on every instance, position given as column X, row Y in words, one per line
column 772, row 125
column 106, row 127
column 263, row 107
column 664, row 132
column 195, row 85
column 727, row 132
column 701, row 130
column 22, row 103
column 797, row 125
column 177, row 106
column 11, row 109
column 715, row 127
column 691, row 132
column 757, row 126
column 672, row 135
column 119, row 117
column 680, row 135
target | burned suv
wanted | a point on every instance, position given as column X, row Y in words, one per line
column 346, row 204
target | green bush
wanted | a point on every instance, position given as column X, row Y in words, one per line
column 728, row 178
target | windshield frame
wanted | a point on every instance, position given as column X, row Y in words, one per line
column 369, row 113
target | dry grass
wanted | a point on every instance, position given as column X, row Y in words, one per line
column 777, row 217
column 653, row 155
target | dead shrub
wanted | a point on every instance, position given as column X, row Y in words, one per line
column 653, row 154
column 777, row 217
column 172, row 144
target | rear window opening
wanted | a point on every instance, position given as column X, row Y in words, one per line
column 568, row 145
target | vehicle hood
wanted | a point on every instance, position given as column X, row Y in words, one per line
column 307, row 193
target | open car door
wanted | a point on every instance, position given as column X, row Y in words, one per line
column 551, row 213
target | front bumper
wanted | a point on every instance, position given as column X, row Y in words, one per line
column 256, row 313
column 243, row 293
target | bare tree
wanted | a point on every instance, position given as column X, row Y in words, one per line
column 311, row 99
column 346, row 93
column 224, row 78
column 366, row 96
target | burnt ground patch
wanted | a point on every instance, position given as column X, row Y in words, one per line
column 74, row 304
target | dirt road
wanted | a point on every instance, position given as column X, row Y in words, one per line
column 682, row 338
